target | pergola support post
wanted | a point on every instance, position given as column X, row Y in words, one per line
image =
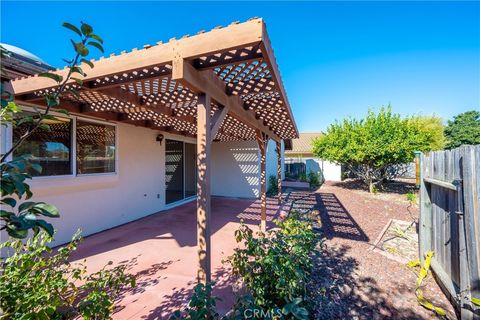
column 262, row 140
column 203, row 187
column 279, row 171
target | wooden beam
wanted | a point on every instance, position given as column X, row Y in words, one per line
column 204, row 139
column 269, row 58
column 207, row 81
column 262, row 140
column 278, row 149
column 217, row 120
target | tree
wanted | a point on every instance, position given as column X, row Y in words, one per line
column 369, row 147
column 463, row 129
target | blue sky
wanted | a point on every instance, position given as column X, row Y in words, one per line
column 336, row 58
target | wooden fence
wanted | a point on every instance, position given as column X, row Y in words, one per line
column 449, row 222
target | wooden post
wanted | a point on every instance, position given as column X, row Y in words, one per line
column 262, row 141
column 279, row 171
column 203, row 187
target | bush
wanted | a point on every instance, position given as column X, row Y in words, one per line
column 314, row 179
column 275, row 266
column 302, row 177
column 201, row 306
column 272, row 185
column 37, row 283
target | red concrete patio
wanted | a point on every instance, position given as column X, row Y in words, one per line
column 161, row 251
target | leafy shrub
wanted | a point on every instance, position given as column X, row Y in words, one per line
column 275, row 266
column 272, row 185
column 302, row 177
column 38, row 283
column 314, row 179
column 202, row 305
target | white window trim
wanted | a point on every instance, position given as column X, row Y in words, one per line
column 73, row 142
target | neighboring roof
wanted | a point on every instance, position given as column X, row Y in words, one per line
column 303, row 145
column 20, row 63
column 158, row 86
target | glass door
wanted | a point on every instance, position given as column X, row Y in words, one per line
column 180, row 170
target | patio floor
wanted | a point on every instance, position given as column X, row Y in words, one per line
column 161, row 251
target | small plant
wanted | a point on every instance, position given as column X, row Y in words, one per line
column 38, row 283
column 314, row 179
column 412, row 197
column 272, row 185
column 302, row 177
column 202, row 305
column 275, row 266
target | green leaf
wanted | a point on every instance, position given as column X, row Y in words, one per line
column 80, row 48
column 36, row 167
column 17, row 233
column 53, row 76
column 94, row 36
column 86, row 29
column 9, row 201
column 45, row 226
column 77, row 80
column 87, row 62
column 72, row 27
column 77, row 69
column 26, row 205
column 6, row 214
column 96, row 45
column 47, row 210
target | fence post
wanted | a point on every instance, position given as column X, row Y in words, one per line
column 425, row 211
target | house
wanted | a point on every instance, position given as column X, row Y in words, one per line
column 159, row 126
column 299, row 158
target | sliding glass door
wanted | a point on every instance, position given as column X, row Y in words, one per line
column 180, row 170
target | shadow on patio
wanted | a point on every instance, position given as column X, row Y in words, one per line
column 161, row 251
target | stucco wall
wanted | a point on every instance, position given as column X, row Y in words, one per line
column 236, row 168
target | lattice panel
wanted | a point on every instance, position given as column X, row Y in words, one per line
column 137, row 75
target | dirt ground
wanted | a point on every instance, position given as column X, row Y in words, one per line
column 356, row 282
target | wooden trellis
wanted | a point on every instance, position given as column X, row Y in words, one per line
column 221, row 85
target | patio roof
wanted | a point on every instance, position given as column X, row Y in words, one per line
column 220, row 85
column 158, row 86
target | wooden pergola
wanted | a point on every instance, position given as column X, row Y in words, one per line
column 221, row 85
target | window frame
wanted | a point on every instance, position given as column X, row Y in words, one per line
column 73, row 141
column 114, row 125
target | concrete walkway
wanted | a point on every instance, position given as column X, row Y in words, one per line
column 161, row 251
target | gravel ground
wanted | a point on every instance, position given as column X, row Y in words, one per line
column 352, row 281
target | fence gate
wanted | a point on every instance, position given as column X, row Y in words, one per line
column 449, row 223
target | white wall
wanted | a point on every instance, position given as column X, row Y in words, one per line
column 236, row 168
column 330, row 170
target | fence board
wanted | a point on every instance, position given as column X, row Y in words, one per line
column 449, row 222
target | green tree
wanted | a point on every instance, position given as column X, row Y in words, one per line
column 433, row 130
column 463, row 129
column 373, row 147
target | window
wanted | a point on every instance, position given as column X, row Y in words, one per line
column 95, row 147
column 93, row 143
column 51, row 149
